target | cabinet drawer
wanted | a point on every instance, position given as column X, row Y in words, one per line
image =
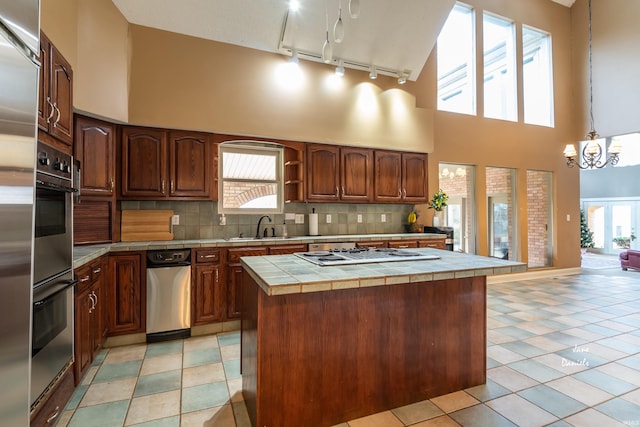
column 435, row 243
column 209, row 256
column 371, row 245
column 404, row 244
column 83, row 276
column 287, row 249
column 235, row 253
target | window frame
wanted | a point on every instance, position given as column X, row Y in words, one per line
column 255, row 148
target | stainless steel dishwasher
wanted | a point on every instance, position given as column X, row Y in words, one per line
column 168, row 294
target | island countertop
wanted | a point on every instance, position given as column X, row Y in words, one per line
column 289, row 274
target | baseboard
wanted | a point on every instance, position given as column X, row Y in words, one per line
column 533, row 274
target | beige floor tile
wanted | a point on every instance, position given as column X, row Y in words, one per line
column 510, row 379
column 381, row 419
column 415, row 412
column 570, row 321
column 111, row 391
column 606, row 352
column 545, row 343
column 581, row 333
column 560, row 364
column 201, row 343
column 503, row 355
column 220, row 416
column 125, row 354
column 89, row 375
column 153, row 407
column 520, row 411
column 611, row 324
column 230, row 352
column 592, row 418
column 527, row 315
column 559, row 310
column 442, row 421
column 580, row 391
column 169, row 362
column 498, row 337
column 630, row 338
column 622, row 372
column 203, row 374
column 64, row 418
column 455, row 401
column 235, row 389
column 633, row 397
column 534, row 328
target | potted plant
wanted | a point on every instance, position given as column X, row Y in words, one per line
column 437, row 203
column 586, row 235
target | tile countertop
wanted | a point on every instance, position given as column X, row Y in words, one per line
column 288, row 274
column 85, row 254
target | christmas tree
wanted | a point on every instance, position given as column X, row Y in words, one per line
column 586, row 235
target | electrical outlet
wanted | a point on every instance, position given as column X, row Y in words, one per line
column 290, row 216
column 299, row 218
column 568, row 217
column 328, row 218
column 223, row 220
column 175, row 220
column 359, row 218
column 383, row 217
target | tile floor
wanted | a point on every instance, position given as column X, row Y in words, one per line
column 561, row 351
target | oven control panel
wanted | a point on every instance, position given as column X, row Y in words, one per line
column 54, row 162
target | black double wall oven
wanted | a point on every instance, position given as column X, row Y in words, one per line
column 53, row 284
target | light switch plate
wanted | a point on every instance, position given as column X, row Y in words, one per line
column 290, row 216
column 568, row 217
column 359, row 218
column 299, row 218
column 383, row 217
column 175, row 220
column 328, row 218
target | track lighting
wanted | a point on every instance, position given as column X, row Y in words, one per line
column 294, row 57
column 338, row 28
column 326, row 48
column 340, row 68
column 402, row 78
column 354, row 8
column 373, row 74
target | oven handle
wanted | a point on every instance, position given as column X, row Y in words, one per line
column 40, row 298
column 50, row 186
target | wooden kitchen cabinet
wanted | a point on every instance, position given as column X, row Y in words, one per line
column 339, row 174
column 287, row 249
column 400, row 177
column 234, row 277
column 207, row 287
column 55, row 96
column 126, row 291
column 90, row 330
column 432, row 243
column 372, row 245
column 95, row 148
column 403, row 244
column 158, row 164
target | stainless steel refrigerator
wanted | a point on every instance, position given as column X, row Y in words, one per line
column 19, row 45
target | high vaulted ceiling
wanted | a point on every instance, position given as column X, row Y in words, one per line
column 395, row 36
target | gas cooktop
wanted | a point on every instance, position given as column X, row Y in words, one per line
column 362, row 256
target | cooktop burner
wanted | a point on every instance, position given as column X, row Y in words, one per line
column 347, row 256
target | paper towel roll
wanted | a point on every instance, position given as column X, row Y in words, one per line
column 313, row 224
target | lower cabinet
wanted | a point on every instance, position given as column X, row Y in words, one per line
column 89, row 315
column 432, row 243
column 207, row 293
column 126, row 307
column 49, row 411
column 234, row 277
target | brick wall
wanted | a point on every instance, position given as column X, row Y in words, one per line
column 538, row 192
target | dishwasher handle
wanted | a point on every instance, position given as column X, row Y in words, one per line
column 169, row 264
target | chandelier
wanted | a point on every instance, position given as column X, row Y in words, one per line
column 592, row 152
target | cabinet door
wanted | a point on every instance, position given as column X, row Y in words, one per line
column 93, row 221
column 82, row 328
column 414, row 177
column 388, row 176
column 207, row 295
column 144, row 163
column 234, row 291
column 124, row 295
column 98, row 272
column 190, row 164
column 323, row 175
column 95, row 148
column 62, row 97
column 356, row 174
column 45, row 110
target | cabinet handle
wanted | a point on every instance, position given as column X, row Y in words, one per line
column 52, row 108
column 93, row 303
column 399, row 193
column 97, row 270
column 95, row 298
column 404, row 193
column 343, row 191
column 58, row 117
column 172, row 186
column 111, row 185
column 84, row 279
column 217, row 275
column 54, row 414
column 209, row 256
column 403, row 246
column 162, row 185
column 337, row 191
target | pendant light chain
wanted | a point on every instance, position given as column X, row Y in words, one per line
column 593, row 130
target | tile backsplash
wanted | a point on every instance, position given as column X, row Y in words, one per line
column 200, row 220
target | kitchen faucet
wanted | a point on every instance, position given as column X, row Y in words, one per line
column 260, row 222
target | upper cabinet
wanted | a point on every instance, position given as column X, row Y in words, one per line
column 55, row 97
column 157, row 164
column 339, row 174
column 400, row 177
column 94, row 147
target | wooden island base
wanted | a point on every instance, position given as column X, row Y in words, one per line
column 322, row 358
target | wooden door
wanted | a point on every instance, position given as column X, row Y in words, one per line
column 207, row 295
column 414, row 177
column 144, row 163
column 61, row 97
column 125, row 312
column 323, row 175
column 44, row 106
column 356, row 174
column 388, row 176
column 190, row 163
column 95, row 148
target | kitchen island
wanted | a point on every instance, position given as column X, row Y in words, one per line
column 323, row 345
